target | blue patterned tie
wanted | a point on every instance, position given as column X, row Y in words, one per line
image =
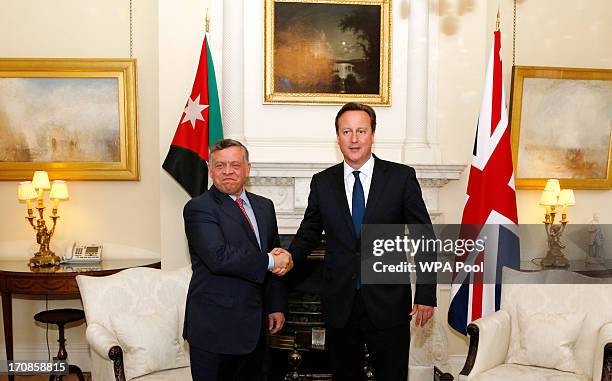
column 358, row 212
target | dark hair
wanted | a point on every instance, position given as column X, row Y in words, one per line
column 227, row 143
column 353, row 106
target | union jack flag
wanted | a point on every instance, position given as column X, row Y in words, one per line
column 490, row 208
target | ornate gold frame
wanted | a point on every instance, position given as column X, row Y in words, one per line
column 519, row 74
column 383, row 98
column 124, row 70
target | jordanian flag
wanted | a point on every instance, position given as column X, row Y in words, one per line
column 199, row 129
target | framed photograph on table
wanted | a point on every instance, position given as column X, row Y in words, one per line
column 561, row 121
column 74, row 118
column 327, row 51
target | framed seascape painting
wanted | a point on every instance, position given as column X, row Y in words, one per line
column 75, row 118
column 562, row 127
column 327, row 51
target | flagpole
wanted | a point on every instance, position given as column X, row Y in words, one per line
column 208, row 21
column 497, row 22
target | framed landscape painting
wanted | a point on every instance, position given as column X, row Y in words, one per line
column 327, row 51
column 562, row 127
column 74, row 118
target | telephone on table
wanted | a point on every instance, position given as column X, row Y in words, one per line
column 79, row 253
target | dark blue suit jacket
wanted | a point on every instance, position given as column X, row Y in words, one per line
column 395, row 198
column 231, row 290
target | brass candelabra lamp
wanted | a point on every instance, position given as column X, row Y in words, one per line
column 29, row 191
column 552, row 198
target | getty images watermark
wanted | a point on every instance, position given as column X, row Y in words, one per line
column 428, row 246
column 446, row 254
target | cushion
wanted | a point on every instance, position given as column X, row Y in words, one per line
column 150, row 342
column 552, row 291
column 547, row 339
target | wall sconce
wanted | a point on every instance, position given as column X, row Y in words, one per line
column 553, row 197
column 29, row 191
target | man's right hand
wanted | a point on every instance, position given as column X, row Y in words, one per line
column 283, row 263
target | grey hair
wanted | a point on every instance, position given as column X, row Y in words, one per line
column 227, row 143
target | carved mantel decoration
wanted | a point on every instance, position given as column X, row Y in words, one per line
column 287, row 184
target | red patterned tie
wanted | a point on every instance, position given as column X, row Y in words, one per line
column 240, row 203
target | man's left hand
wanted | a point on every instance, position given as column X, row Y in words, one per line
column 276, row 321
column 422, row 314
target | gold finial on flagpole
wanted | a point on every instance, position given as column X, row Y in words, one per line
column 497, row 22
column 207, row 21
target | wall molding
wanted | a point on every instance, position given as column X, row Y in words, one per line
column 442, row 173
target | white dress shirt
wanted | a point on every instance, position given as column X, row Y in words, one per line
column 365, row 175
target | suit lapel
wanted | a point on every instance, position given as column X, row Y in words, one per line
column 260, row 216
column 230, row 208
column 377, row 186
column 340, row 196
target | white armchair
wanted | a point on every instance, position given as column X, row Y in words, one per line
column 135, row 324
column 542, row 323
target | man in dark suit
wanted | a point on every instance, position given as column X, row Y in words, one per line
column 363, row 189
column 233, row 293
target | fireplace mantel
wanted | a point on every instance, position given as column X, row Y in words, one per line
column 287, row 184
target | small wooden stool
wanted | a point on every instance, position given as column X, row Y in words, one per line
column 61, row 317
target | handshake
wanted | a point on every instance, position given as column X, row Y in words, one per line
column 283, row 263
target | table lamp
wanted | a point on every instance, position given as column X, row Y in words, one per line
column 551, row 198
column 34, row 190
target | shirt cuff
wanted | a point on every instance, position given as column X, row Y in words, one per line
column 270, row 262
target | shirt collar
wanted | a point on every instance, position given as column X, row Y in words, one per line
column 243, row 196
column 367, row 168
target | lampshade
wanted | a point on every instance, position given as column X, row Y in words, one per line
column 553, row 185
column 548, row 198
column 26, row 191
column 567, row 197
column 59, row 190
column 41, row 180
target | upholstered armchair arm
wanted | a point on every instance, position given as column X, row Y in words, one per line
column 105, row 344
column 602, row 364
column 490, row 334
column 100, row 339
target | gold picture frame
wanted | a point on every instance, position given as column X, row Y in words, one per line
column 562, row 127
column 74, row 118
column 327, row 51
